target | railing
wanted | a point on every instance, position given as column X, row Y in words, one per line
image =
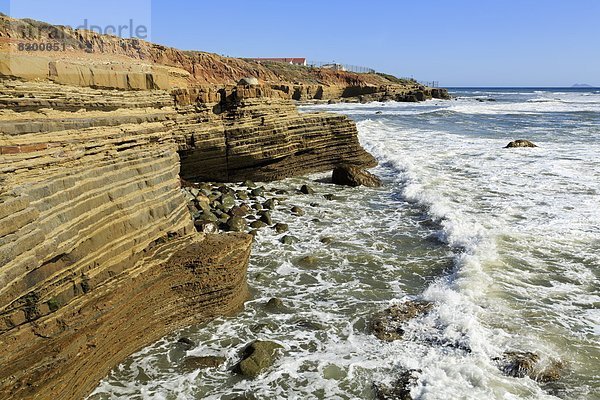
column 341, row 67
column 433, row 84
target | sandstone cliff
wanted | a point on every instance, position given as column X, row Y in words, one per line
column 90, row 59
column 98, row 252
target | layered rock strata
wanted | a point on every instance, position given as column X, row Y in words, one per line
column 98, row 251
column 252, row 134
column 90, row 59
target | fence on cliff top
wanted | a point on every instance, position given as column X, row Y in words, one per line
column 341, row 67
column 433, row 84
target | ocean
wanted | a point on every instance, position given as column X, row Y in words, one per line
column 504, row 242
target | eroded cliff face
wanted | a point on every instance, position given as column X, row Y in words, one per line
column 98, row 252
column 251, row 133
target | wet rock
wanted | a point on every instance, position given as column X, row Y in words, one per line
column 308, row 325
column 520, row 143
column 186, row 342
column 288, row 239
column 308, row 260
column 522, row 364
column 203, row 202
column 297, row 211
column 400, row 390
column 249, row 184
column 518, row 364
column 379, row 112
column 275, row 304
column 206, row 227
column 314, row 204
column 224, row 189
column 257, row 357
column 265, row 217
column 326, row 240
column 193, row 363
column 387, row 324
column 207, row 216
column 307, row 189
column 257, row 224
column 281, row 228
column 281, row 192
column 257, row 206
column 236, row 224
column 551, row 373
column 329, row 196
column 354, row 176
column 269, row 204
column 227, row 201
column 205, row 187
column 258, row 192
column 241, row 195
column 239, row 211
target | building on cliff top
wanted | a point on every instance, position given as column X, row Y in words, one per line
column 293, row 61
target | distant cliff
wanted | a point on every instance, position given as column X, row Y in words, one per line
column 90, row 59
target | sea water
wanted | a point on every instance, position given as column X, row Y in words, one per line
column 504, row 242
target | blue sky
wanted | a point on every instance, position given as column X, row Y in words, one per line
column 457, row 42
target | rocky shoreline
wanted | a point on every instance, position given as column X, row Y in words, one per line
column 96, row 228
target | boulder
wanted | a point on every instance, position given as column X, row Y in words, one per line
column 521, row 364
column 269, row 204
column 207, row 216
column 354, row 176
column 236, row 224
column 241, row 194
column 192, row 363
column 257, row 357
column 275, row 304
column 307, row 189
column 280, row 227
column 249, row 184
column 257, row 224
column 297, row 211
column 400, row 390
column 265, row 217
column 520, row 143
column 227, row 201
column 387, row 324
column 518, row 364
column 206, row 226
column 186, row 342
column 248, row 81
column 288, row 239
column 239, row 211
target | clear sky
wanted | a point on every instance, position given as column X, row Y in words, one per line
column 456, row 42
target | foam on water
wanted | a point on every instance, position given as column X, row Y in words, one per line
column 506, row 244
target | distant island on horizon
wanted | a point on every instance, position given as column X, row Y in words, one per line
column 582, row 85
